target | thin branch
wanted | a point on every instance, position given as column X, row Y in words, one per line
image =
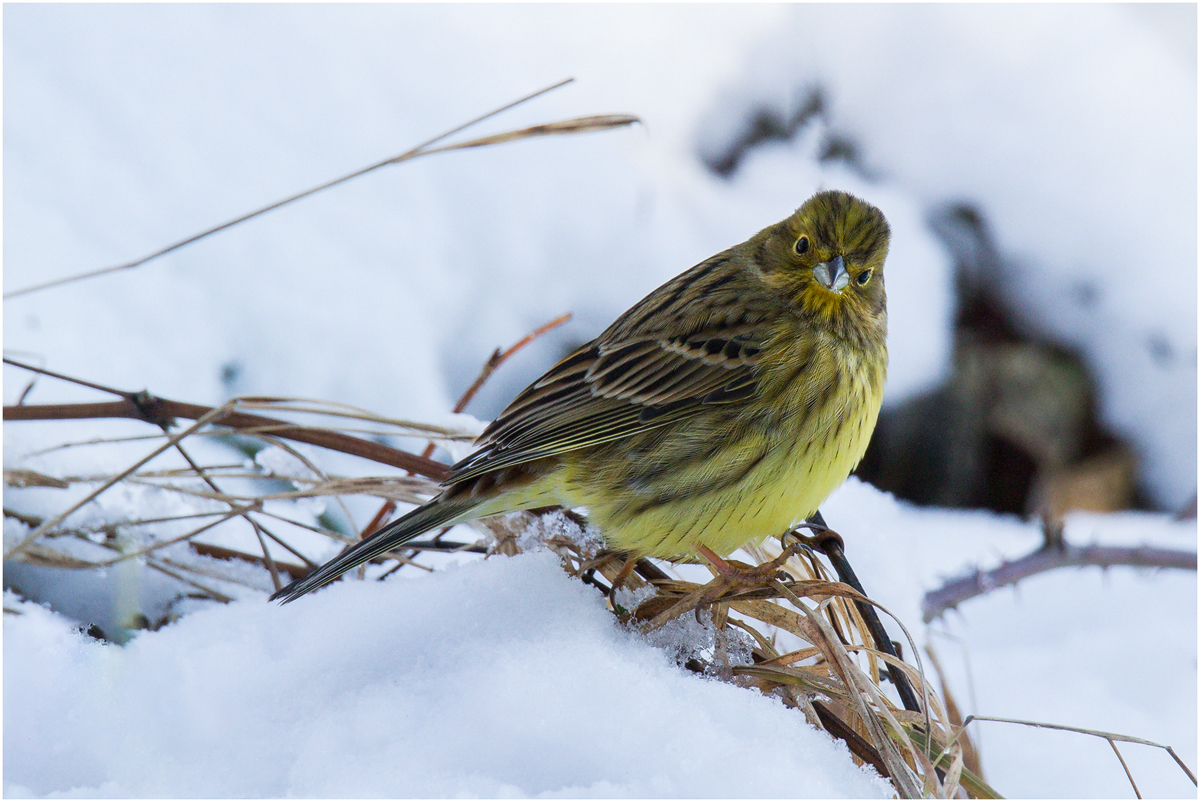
column 332, row 535
column 325, row 480
column 244, row 513
column 110, row 527
column 497, row 359
column 125, row 556
column 163, row 409
column 311, row 565
column 1059, row 554
column 81, row 382
column 223, row 553
column 33, row 380
column 221, row 597
column 266, row 554
column 419, row 150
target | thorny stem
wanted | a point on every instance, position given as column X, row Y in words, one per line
column 1047, row 557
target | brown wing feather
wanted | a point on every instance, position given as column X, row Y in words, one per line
column 693, row 342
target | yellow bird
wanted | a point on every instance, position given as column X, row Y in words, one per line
column 721, row 409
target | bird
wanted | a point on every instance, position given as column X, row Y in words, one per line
column 719, row 410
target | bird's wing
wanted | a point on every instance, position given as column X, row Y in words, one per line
column 692, row 343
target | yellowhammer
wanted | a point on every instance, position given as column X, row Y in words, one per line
column 721, row 409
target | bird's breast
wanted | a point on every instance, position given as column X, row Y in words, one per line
column 728, row 478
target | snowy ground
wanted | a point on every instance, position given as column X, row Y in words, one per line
column 505, row 677
column 129, row 127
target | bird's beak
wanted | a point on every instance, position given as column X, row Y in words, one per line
column 832, row 274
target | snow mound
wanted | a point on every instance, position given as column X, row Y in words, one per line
column 498, row 678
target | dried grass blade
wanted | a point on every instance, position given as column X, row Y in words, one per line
column 772, row 614
column 975, row 785
column 792, row 657
column 954, row 717
column 806, row 679
column 1128, row 774
column 216, row 594
column 21, row 477
column 39, row 554
column 819, row 633
column 419, row 150
column 337, row 410
column 575, row 125
column 1110, row 736
column 28, row 540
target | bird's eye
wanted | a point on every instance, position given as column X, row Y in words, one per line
column 863, row 278
column 802, row 245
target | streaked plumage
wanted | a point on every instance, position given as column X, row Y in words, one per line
column 721, row 409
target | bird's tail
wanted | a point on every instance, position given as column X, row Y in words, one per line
column 435, row 513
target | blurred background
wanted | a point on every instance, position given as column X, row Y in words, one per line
column 1037, row 163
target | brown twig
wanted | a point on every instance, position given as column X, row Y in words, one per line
column 498, row 358
column 162, row 409
column 1047, row 558
column 29, row 539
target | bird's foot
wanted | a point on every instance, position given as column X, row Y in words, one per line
column 821, row 535
column 619, row 580
column 736, row 571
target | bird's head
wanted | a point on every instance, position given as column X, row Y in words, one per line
column 827, row 261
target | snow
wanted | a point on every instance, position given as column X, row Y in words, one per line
column 503, row 678
column 1072, row 128
column 506, row 678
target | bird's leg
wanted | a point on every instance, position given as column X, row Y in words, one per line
column 622, row 575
